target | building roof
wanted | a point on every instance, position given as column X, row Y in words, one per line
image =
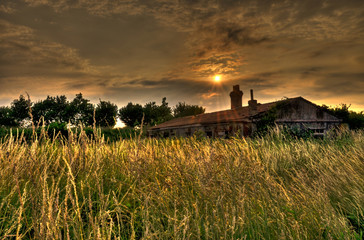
column 240, row 114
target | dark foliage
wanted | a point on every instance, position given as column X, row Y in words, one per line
column 6, row 118
column 20, row 110
column 81, row 111
column 131, row 114
column 266, row 121
column 55, row 110
column 105, row 114
column 56, row 128
column 355, row 120
column 60, row 130
column 52, row 109
column 58, row 109
column 154, row 114
column 183, row 110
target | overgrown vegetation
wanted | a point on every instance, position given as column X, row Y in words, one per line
column 276, row 187
column 152, row 114
column 60, row 130
column 80, row 112
column 266, row 121
column 355, row 120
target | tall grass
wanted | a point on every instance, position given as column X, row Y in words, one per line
column 274, row 187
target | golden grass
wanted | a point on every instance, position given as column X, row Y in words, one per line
column 275, row 187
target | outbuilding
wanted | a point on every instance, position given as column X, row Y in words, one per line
column 296, row 113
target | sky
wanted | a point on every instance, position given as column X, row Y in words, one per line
column 143, row 50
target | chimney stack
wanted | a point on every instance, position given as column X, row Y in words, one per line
column 236, row 97
column 252, row 104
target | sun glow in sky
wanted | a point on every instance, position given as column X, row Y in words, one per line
column 217, row 78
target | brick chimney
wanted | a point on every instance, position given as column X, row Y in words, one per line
column 236, row 97
column 252, row 104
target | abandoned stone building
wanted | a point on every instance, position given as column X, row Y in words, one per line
column 297, row 113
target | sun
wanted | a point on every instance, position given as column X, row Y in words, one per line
column 217, row 78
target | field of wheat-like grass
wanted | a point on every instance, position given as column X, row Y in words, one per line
column 275, row 187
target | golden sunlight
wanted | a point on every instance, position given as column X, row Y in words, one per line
column 217, row 78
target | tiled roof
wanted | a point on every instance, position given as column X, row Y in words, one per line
column 233, row 115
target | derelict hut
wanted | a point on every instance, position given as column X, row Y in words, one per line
column 297, row 113
column 216, row 124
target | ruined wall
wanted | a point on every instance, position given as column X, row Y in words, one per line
column 222, row 130
column 300, row 114
column 300, row 109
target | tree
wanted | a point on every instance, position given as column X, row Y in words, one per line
column 63, row 109
column 6, row 118
column 20, row 110
column 81, row 111
column 356, row 120
column 353, row 119
column 105, row 114
column 183, row 109
column 150, row 113
column 164, row 112
column 131, row 114
column 155, row 114
column 342, row 112
column 52, row 109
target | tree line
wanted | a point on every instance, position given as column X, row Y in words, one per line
column 80, row 111
column 355, row 120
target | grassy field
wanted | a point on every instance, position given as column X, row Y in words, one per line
column 274, row 187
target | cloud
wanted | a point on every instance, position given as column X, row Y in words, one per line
column 22, row 53
column 222, row 29
column 215, row 28
column 217, row 64
column 333, row 84
column 170, row 84
column 31, row 64
column 96, row 7
column 209, row 95
column 151, row 48
column 298, row 17
column 7, row 7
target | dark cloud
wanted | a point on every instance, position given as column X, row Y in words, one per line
column 7, row 7
column 21, row 51
column 174, row 85
column 255, row 82
column 144, row 49
column 310, row 71
column 360, row 59
column 333, row 84
column 240, row 35
column 145, row 83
